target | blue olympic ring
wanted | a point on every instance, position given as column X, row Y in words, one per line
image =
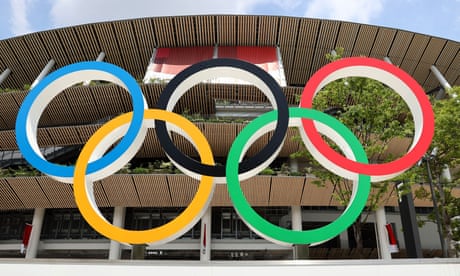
column 138, row 103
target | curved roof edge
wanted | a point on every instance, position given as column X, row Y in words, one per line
column 303, row 44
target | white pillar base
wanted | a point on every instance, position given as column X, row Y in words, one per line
column 205, row 240
column 118, row 220
column 34, row 240
column 382, row 235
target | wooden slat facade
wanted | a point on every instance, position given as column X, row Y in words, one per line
column 72, row 117
column 173, row 190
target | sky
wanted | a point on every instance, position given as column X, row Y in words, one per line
column 439, row 18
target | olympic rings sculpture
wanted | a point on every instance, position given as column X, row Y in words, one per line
column 97, row 161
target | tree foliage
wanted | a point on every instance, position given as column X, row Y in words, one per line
column 444, row 156
column 376, row 114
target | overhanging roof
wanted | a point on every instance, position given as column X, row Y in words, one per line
column 303, row 43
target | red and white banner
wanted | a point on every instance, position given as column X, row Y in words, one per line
column 26, row 237
column 167, row 62
column 393, row 246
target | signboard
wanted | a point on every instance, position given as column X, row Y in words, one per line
column 168, row 62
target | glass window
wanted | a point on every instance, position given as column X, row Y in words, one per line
column 69, row 224
column 147, row 218
column 226, row 224
column 12, row 224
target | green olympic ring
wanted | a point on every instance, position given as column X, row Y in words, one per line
column 279, row 234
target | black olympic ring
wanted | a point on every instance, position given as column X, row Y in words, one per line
column 246, row 165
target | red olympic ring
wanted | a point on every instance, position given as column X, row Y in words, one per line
column 323, row 76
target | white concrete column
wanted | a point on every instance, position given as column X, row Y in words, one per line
column 206, row 235
column 100, row 57
column 34, row 240
column 344, row 239
column 4, row 75
column 215, row 53
column 299, row 251
column 149, row 66
column 296, row 218
column 387, row 60
column 294, row 165
column 442, row 80
column 382, row 235
column 43, row 73
column 118, row 220
column 446, row 175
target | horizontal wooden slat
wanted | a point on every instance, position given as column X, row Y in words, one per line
column 83, row 106
column 85, row 132
column 71, row 44
column 8, row 140
column 365, row 40
column 286, row 191
column 257, row 190
column 10, row 61
column 268, row 31
column 143, row 30
column 172, row 190
column 9, row 109
column 182, row 188
column 3, row 125
column 108, row 100
column 153, row 190
column 54, row 47
column 120, row 191
column 151, row 147
column 62, row 136
column 220, row 144
column 24, row 56
column 88, row 41
column 429, row 57
column 8, row 198
column 164, row 39
column 59, row 111
column 59, row 194
column 414, row 53
column 185, row 31
column 29, row 192
column 347, row 36
column 399, row 46
column 19, row 98
column 383, row 42
column 44, row 138
column 291, row 145
column 100, row 196
column 126, row 42
column 316, row 196
column 247, row 30
column 226, row 30
column 221, row 196
column 205, row 30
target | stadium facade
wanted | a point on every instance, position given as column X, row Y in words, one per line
column 150, row 192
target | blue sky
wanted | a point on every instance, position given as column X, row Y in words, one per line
column 438, row 18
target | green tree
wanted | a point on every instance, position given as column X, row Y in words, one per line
column 376, row 114
column 443, row 166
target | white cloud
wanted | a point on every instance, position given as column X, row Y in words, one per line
column 19, row 22
column 74, row 12
column 353, row 10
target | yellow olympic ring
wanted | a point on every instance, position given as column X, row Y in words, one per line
column 169, row 231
